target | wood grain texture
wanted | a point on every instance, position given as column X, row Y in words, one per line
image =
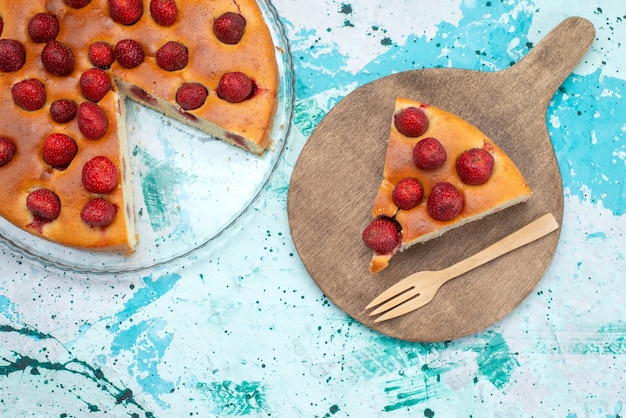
column 338, row 173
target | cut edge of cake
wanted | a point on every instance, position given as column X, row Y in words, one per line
column 381, row 261
column 171, row 110
column 125, row 90
column 127, row 182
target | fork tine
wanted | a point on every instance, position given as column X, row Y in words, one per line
column 405, row 308
column 394, row 290
column 396, row 301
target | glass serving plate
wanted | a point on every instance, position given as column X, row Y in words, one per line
column 189, row 188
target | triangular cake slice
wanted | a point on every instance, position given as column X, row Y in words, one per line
column 440, row 172
column 66, row 67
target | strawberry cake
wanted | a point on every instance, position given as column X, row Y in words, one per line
column 66, row 67
column 440, row 172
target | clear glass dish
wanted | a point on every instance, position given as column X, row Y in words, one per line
column 189, row 187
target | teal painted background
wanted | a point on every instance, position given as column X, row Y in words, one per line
column 238, row 328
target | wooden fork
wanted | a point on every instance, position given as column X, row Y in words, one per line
column 419, row 288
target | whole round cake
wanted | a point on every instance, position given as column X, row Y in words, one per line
column 66, row 67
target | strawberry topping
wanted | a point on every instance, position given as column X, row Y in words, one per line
column 63, row 110
column 229, row 27
column 98, row 212
column 411, row 122
column 191, row 96
column 445, row 202
column 77, row 4
column 94, row 84
column 235, row 87
column 101, row 54
column 164, row 12
column 29, row 94
column 126, row 12
column 12, row 55
column 382, row 235
column 475, row 166
column 7, row 150
column 172, row 56
column 44, row 204
column 429, row 154
column 43, row 28
column 100, row 175
column 58, row 58
column 407, row 193
column 92, row 120
column 128, row 53
column 59, row 150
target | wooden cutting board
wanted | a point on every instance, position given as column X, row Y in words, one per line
column 338, row 173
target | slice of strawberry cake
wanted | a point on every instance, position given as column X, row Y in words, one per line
column 440, row 172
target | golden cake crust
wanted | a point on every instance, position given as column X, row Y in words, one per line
column 505, row 187
column 247, row 124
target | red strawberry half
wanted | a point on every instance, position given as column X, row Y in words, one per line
column 411, row 122
column 475, row 166
column 59, row 150
column 43, row 28
column 172, row 56
column 125, row 12
column 445, row 202
column 29, row 94
column 164, row 12
column 100, row 175
column 235, row 87
column 44, row 204
column 128, row 53
column 77, row 4
column 382, row 235
column 98, row 212
column 58, row 58
column 229, row 28
column 7, row 150
column 92, row 120
column 63, row 110
column 407, row 193
column 191, row 96
column 429, row 154
column 12, row 55
column 94, row 84
column 101, row 54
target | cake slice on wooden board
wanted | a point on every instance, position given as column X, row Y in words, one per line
column 440, row 172
column 66, row 67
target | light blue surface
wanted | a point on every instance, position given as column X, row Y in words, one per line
column 240, row 329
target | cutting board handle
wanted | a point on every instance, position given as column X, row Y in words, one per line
column 551, row 61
